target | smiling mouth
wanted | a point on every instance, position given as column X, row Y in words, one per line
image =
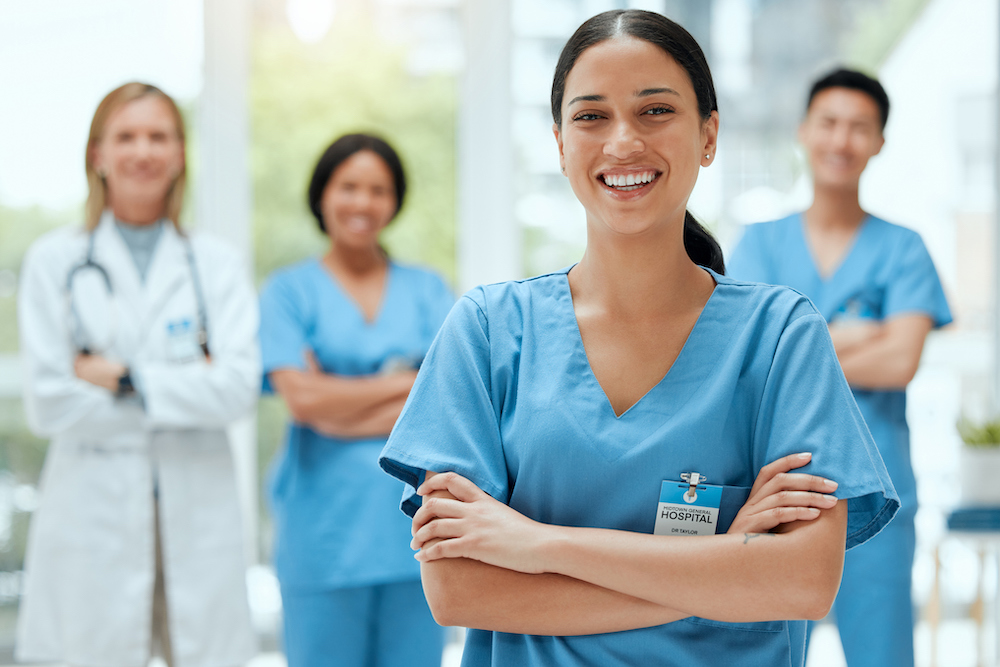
column 630, row 181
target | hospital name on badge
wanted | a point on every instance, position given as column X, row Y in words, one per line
column 687, row 509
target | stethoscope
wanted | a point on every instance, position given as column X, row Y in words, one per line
column 89, row 264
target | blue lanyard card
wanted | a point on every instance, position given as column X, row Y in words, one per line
column 682, row 513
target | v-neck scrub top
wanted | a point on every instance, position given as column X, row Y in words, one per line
column 887, row 272
column 336, row 522
column 507, row 398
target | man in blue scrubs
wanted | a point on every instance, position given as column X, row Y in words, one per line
column 877, row 287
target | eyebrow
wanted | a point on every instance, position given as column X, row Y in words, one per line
column 641, row 93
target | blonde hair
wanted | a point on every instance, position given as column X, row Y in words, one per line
column 97, row 199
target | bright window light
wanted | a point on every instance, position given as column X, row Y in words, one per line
column 310, row 19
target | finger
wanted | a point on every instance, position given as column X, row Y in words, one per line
column 794, row 499
column 439, row 529
column 789, row 481
column 453, row 548
column 771, row 519
column 454, row 484
column 437, row 508
column 784, row 464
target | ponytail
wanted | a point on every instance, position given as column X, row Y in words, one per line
column 701, row 246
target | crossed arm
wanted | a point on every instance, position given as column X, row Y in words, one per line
column 486, row 566
column 881, row 355
column 340, row 406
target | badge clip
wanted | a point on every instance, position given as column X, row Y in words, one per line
column 693, row 479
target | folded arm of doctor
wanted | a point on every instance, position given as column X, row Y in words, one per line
column 486, row 566
column 55, row 399
column 881, row 355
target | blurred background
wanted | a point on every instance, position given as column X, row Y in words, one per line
column 461, row 88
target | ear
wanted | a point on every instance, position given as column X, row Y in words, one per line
column 562, row 156
column 710, row 138
column 879, row 144
column 96, row 160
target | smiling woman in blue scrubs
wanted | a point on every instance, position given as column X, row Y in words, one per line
column 876, row 285
column 602, row 453
column 341, row 338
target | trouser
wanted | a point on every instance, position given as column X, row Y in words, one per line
column 161, row 625
column 388, row 625
column 874, row 609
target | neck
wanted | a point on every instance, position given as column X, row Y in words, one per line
column 137, row 213
column 632, row 276
column 354, row 261
column 835, row 207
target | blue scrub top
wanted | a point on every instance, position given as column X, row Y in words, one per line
column 507, row 398
column 336, row 522
column 887, row 272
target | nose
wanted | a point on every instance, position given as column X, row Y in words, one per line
column 841, row 136
column 624, row 141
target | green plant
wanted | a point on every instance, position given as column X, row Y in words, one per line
column 986, row 434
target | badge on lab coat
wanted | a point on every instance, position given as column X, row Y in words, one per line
column 687, row 509
column 182, row 340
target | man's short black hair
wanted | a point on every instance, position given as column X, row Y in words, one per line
column 854, row 80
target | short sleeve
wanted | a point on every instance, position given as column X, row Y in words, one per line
column 914, row 285
column 450, row 423
column 748, row 260
column 283, row 326
column 807, row 406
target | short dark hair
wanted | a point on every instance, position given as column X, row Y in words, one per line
column 337, row 153
column 853, row 80
column 676, row 42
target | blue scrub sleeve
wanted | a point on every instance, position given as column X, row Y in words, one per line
column 914, row 286
column 807, row 406
column 283, row 327
column 748, row 260
column 449, row 423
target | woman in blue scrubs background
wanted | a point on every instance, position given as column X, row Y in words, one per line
column 876, row 285
column 341, row 338
column 598, row 459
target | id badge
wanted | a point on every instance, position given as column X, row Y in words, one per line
column 688, row 508
column 182, row 341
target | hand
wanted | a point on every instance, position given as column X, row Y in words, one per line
column 98, row 371
column 778, row 497
column 459, row 520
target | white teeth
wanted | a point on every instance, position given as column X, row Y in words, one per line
column 623, row 180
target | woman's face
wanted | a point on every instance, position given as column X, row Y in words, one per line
column 359, row 200
column 841, row 132
column 140, row 152
column 632, row 139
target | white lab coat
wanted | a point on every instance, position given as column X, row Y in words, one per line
column 89, row 568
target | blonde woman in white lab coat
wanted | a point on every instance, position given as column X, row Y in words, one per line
column 139, row 348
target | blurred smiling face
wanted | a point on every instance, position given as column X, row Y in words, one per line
column 632, row 139
column 359, row 200
column 140, row 151
column 842, row 131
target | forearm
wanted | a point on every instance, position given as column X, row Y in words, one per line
column 337, row 402
column 736, row 578
column 375, row 421
column 878, row 365
column 473, row 594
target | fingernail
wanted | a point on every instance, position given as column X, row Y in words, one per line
column 830, row 484
column 813, row 511
column 805, row 456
